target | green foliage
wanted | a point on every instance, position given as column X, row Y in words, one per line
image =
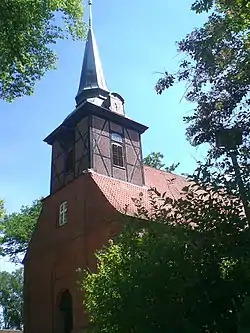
column 186, row 270
column 28, row 29
column 1, row 208
column 172, row 167
column 154, row 160
column 132, row 279
column 16, row 230
column 11, row 299
column 236, row 11
column 216, row 67
column 202, row 5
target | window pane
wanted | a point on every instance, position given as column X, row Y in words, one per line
column 61, row 219
column 63, row 213
column 116, row 137
column 65, row 217
column 120, row 156
column 117, row 152
column 65, row 206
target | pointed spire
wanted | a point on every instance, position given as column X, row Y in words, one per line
column 92, row 81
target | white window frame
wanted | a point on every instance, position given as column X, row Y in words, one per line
column 63, row 213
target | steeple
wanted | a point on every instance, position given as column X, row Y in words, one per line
column 97, row 135
column 92, row 81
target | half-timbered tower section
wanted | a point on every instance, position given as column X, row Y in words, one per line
column 97, row 137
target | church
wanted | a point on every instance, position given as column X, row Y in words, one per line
column 96, row 170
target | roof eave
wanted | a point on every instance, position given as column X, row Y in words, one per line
column 90, row 108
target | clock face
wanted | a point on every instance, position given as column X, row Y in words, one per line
column 116, row 105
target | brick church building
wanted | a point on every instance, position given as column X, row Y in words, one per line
column 96, row 170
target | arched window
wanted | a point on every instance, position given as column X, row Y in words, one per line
column 117, row 150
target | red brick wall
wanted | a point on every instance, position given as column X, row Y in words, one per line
column 55, row 253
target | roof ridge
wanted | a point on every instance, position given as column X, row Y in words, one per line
column 163, row 171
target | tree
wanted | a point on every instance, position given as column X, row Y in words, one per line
column 28, row 29
column 154, row 160
column 16, row 230
column 11, row 299
column 216, row 69
column 180, row 271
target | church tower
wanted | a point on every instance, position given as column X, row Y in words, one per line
column 97, row 135
column 96, row 171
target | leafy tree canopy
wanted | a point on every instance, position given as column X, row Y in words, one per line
column 236, row 11
column 16, row 230
column 216, row 67
column 155, row 160
column 11, row 299
column 28, row 29
column 180, row 272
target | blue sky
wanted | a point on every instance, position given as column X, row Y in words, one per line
column 135, row 42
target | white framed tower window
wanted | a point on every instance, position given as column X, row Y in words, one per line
column 117, row 153
column 117, row 150
column 63, row 213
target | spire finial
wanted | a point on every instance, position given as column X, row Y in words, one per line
column 90, row 13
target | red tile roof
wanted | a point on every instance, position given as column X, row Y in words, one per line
column 120, row 193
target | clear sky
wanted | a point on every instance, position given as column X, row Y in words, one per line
column 136, row 41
